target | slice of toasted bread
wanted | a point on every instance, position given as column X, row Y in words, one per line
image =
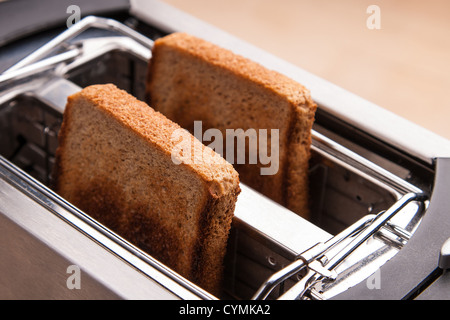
column 115, row 161
column 190, row 79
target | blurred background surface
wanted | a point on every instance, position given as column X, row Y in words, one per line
column 404, row 66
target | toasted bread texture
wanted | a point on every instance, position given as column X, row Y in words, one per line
column 190, row 79
column 115, row 162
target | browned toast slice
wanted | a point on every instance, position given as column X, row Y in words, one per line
column 190, row 79
column 115, row 161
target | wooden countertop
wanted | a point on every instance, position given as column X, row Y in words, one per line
column 404, row 66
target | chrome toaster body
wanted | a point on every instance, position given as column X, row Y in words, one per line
column 368, row 198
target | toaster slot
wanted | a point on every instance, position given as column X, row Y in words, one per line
column 28, row 135
column 122, row 68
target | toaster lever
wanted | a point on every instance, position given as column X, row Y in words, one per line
column 316, row 262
